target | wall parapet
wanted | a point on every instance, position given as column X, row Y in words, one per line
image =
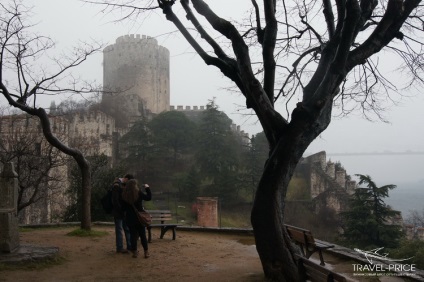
column 124, row 41
column 187, row 108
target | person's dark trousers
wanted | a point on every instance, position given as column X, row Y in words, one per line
column 135, row 232
column 121, row 227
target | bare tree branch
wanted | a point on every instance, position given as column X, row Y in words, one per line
column 19, row 50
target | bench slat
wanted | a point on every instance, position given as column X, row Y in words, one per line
column 297, row 236
column 307, row 242
column 323, row 245
column 161, row 216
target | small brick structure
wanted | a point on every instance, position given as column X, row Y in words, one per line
column 207, row 211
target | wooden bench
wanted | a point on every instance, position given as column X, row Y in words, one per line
column 310, row 271
column 308, row 244
column 162, row 218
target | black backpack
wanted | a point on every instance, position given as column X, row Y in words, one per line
column 106, row 201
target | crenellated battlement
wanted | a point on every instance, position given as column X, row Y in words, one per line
column 136, row 41
column 329, row 174
column 187, row 108
column 136, row 38
column 194, row 110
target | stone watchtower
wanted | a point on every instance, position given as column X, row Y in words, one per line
column 135, row 78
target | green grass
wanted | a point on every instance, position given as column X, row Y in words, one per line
column 235, row 219
column 31, row 229
column 26, row 229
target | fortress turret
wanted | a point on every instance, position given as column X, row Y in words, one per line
column 135, row 78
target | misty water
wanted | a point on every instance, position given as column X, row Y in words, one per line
column 404, row 171
column 407, row 197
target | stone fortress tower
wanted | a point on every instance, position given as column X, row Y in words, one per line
column 135, row 78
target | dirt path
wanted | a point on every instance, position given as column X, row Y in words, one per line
column 194, row 256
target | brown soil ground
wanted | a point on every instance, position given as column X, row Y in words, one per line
column 193, row 256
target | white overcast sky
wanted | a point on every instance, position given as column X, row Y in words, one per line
column 194, row 83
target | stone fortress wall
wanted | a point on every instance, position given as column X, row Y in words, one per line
column 194, row 110
column 93, row 131
column 329, row 185
column 19, row 131
column 325, row 175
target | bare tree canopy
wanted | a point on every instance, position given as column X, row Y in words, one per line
column 23, row 78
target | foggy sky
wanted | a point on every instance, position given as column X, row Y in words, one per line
column 68, row 21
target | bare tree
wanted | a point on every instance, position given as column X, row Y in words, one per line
column 324, row 53
column 23, row 79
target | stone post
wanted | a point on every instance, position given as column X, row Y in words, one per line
column 9, row 235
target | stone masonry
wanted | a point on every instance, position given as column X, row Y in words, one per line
column 136, row 78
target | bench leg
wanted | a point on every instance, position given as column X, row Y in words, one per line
column 162, row 232
column 166, row 228
column 321, row 258
column 309, row 254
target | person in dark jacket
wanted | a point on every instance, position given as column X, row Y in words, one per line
column 133, row 199
column 118, row 215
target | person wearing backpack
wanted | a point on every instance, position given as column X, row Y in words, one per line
column 118, row 215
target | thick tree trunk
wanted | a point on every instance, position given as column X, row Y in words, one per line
column 273, row 244
column 272, row 241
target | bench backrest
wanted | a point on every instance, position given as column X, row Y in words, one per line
column 310, row 271
column 300, row 235
column 160, row 215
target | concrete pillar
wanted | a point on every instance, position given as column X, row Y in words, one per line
column 207, row 211
column 9, row 235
